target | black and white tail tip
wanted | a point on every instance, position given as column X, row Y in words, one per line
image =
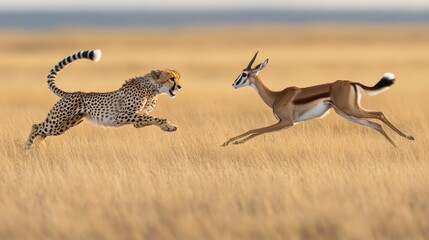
column 385, row 82
column 389, row 76
column 95, row 55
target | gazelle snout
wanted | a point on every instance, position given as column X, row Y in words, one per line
column 241, row 81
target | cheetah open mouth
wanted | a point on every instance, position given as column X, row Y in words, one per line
column 171, row 93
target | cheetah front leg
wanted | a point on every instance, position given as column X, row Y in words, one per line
column 149, row 105
column 142, row 124
column 145, row 120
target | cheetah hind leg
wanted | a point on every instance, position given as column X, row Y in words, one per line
column 76, row 120
column 37, row 129
column 73, row 121
column 34, row 132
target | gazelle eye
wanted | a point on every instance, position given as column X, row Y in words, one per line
column 244, row 75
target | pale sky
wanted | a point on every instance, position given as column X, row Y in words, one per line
column 210, row 4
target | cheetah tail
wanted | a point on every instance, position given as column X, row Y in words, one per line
column 93, row 55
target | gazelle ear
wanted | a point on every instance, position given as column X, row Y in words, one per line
column 261, row 66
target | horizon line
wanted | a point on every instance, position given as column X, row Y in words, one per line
column 94, row 8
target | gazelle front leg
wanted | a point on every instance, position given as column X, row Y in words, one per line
column 256, row 132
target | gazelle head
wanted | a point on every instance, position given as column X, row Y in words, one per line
column 248, row 75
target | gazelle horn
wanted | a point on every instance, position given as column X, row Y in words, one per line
column 251, row 61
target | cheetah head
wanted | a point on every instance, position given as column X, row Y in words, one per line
column 167, row 81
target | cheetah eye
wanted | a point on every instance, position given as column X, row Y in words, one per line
column 172, row 78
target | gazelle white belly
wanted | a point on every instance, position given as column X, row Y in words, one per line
column 318, row 109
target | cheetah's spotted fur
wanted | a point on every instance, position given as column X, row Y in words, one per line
column 130, row 104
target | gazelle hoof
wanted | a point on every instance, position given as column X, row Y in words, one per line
column 409, row 137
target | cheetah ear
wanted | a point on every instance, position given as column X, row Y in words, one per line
column 155, row 74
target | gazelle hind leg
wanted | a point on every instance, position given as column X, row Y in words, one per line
column 363, row 122
column 380, row 116
column 345, row 98
column 364, row 114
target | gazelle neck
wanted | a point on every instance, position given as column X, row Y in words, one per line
column 264, row 92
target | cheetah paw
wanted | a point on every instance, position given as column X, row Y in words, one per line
column 169, row 128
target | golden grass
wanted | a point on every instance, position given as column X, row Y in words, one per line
column 322, row 179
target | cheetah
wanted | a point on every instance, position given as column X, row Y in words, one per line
column 130, row 104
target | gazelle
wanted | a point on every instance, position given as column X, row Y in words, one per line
column 294, row 104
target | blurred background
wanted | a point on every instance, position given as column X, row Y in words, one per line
column 210, row 40
column 47, row 14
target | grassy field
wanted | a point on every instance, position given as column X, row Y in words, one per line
column 322, row 179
